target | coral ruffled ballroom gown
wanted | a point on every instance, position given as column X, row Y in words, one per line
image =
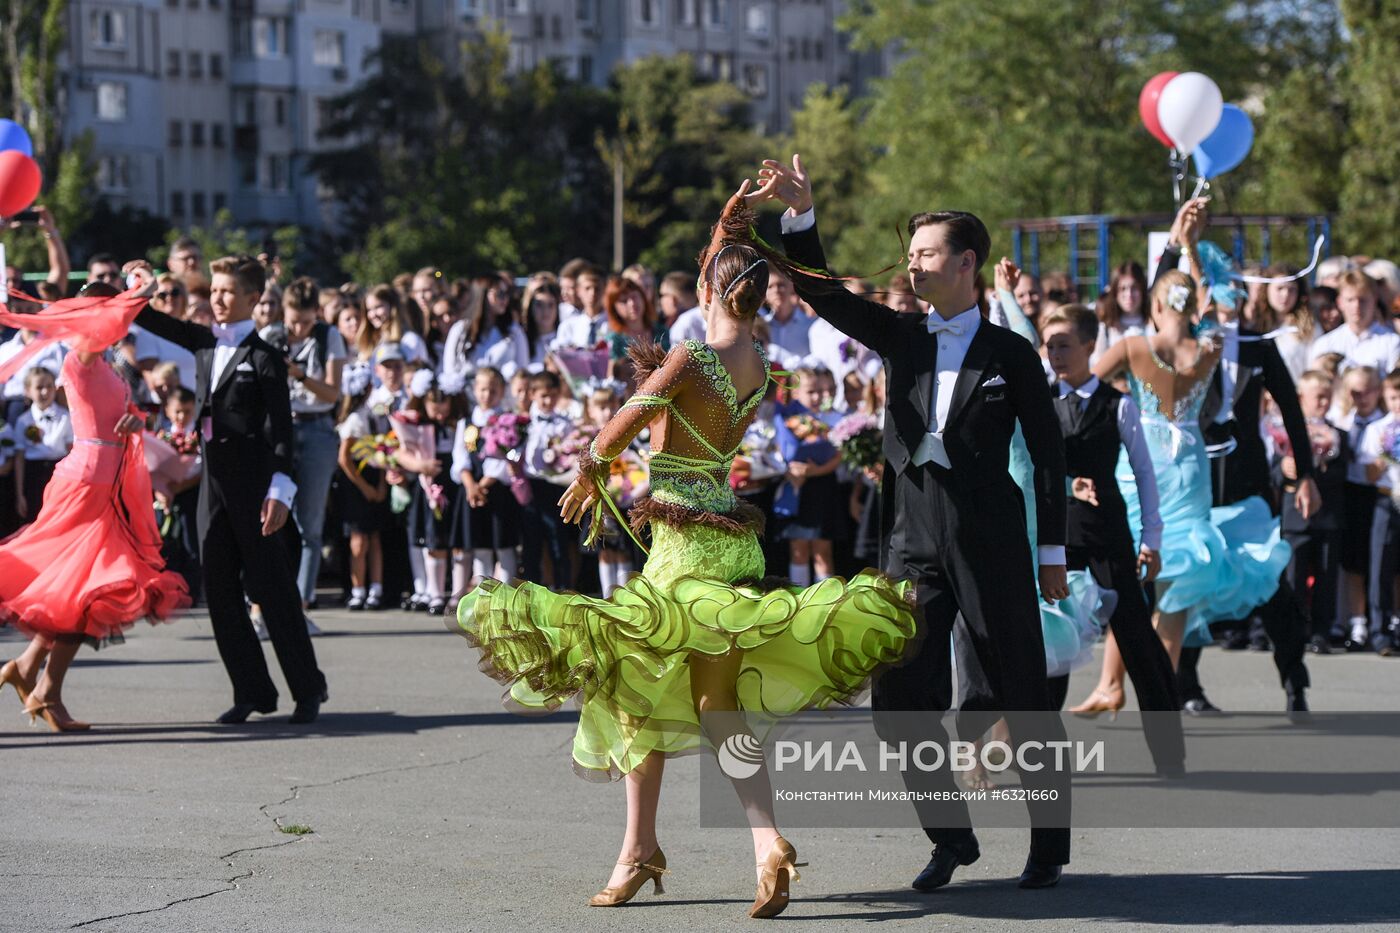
column 89, row 565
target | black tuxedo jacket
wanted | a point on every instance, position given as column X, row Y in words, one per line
column 981, row 418
column 251, row 411
column 1260, row 370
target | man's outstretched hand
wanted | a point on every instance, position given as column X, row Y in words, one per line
column 788, row 184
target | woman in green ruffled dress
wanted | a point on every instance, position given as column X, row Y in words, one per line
column 699, row 630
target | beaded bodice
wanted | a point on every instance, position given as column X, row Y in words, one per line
column 700, row 426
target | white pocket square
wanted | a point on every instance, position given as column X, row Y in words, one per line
column 243, row 368
column 993, row 382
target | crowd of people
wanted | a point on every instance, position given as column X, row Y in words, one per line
column 546, row 355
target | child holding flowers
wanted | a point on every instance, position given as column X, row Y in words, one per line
column 435, row 412
column 486, row 446
column 812, row 460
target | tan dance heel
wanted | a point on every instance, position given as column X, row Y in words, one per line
column 778, row 867
column 56, row 716
column 9, row 674
column 650, row 870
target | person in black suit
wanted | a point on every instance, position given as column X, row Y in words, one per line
column 1250, row 366
column 245, row 420
column 953, row 519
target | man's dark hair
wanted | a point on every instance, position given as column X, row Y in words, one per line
column 186, row 244
column 180, row 395
column 103, row 258
column 963, row 230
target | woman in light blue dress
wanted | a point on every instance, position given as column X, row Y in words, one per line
column 1219, row 563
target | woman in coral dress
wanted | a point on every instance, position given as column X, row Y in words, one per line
column 697, row 631
column 89, row 566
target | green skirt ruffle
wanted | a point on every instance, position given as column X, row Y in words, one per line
column 626, row 658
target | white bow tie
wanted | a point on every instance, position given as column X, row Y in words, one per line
column 937, row 325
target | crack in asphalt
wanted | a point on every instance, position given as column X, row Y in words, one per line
column 232, row 884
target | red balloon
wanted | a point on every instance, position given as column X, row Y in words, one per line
column 20, row 181
column 1147, row 106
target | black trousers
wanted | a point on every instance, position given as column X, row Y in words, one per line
column 968, row 555
column 1316, row 554
column 237, row 559
column 1282, row 616
column 1148, row 664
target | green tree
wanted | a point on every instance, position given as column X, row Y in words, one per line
column 1019, row 108
column 828, row 131
column 223, row 237
column 1370, row 199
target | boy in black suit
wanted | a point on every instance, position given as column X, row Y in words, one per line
column 1098, row 421
column 245, row 418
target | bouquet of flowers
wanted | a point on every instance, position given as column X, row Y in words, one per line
column 418, row 439
column 860, row 441
column 627, row 478
column 504, row 435
column 759, row 457
column 184, row 442
column 562, row 451
column 807, row 427
column 376, row 450
column 172, row 459
column 580, row 364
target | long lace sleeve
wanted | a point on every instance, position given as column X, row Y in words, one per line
column 652, row 396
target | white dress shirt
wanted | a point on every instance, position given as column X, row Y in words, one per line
column 1378, row 347
column 580, row 330
column 50, row 358
column 1373, row 452
column 690, row 325
column 1353, row 426
column 1139, row 457
column 230, row 337
column 55, row 429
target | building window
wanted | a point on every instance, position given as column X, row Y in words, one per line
column 583, row 11
column 220, row 201
column 756, row 21
column 806, row 49
column 688, row 12
column 197, row 205
column 216, row 65
column 717, row 14
column 276, row 178
column 108, row 29
column 247, row 170
column 176, row 135
column 196, row 64
column 111, row 101
column 648, row 13
column 216, row 4
column 585, row 69
column 518, row 7
column 196, row 133
column 791, row 49
column 818, row 49
column 328, row 48
column 216, row 135
column 756, row 80
column 468, row 9
column 279, row 111
column 537, row 25
column 270, row 36
column 172, row 63
column 556, row 28
column 715, row 65
column 114, row 174
column 177, row 204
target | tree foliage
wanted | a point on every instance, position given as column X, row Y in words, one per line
column 1371, row 167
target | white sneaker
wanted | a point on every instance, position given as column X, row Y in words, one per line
column 311, row 627
column 1360, row 630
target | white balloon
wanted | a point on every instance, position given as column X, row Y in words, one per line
column 1189, row 109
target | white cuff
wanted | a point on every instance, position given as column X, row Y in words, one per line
column 796, row 223
column 282, row 489
column 1051, row 555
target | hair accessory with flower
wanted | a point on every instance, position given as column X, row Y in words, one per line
column 355, row 380
column 421, row 383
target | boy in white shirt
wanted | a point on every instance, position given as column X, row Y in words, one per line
column 1363, row 340
column 45, row 435
column 1380, row 452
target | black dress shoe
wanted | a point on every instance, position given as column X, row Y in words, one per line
column 239, row 712
column 1298, row 705
column 1200, row 706
column 1038, row 875
column 1172, row 772
column 307, row 710
column 1318, row 645
column 946, row 858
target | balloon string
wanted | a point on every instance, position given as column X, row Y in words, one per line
column 1267, row 279
column 1202, row 184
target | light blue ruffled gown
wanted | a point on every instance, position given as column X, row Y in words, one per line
column 1071, row 626
column 1221, row 562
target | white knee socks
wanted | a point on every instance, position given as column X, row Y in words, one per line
column 416, row 565
column 800, row 574
column 435, row 574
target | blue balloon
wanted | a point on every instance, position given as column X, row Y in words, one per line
column 1227, row 147
column 13, row 136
